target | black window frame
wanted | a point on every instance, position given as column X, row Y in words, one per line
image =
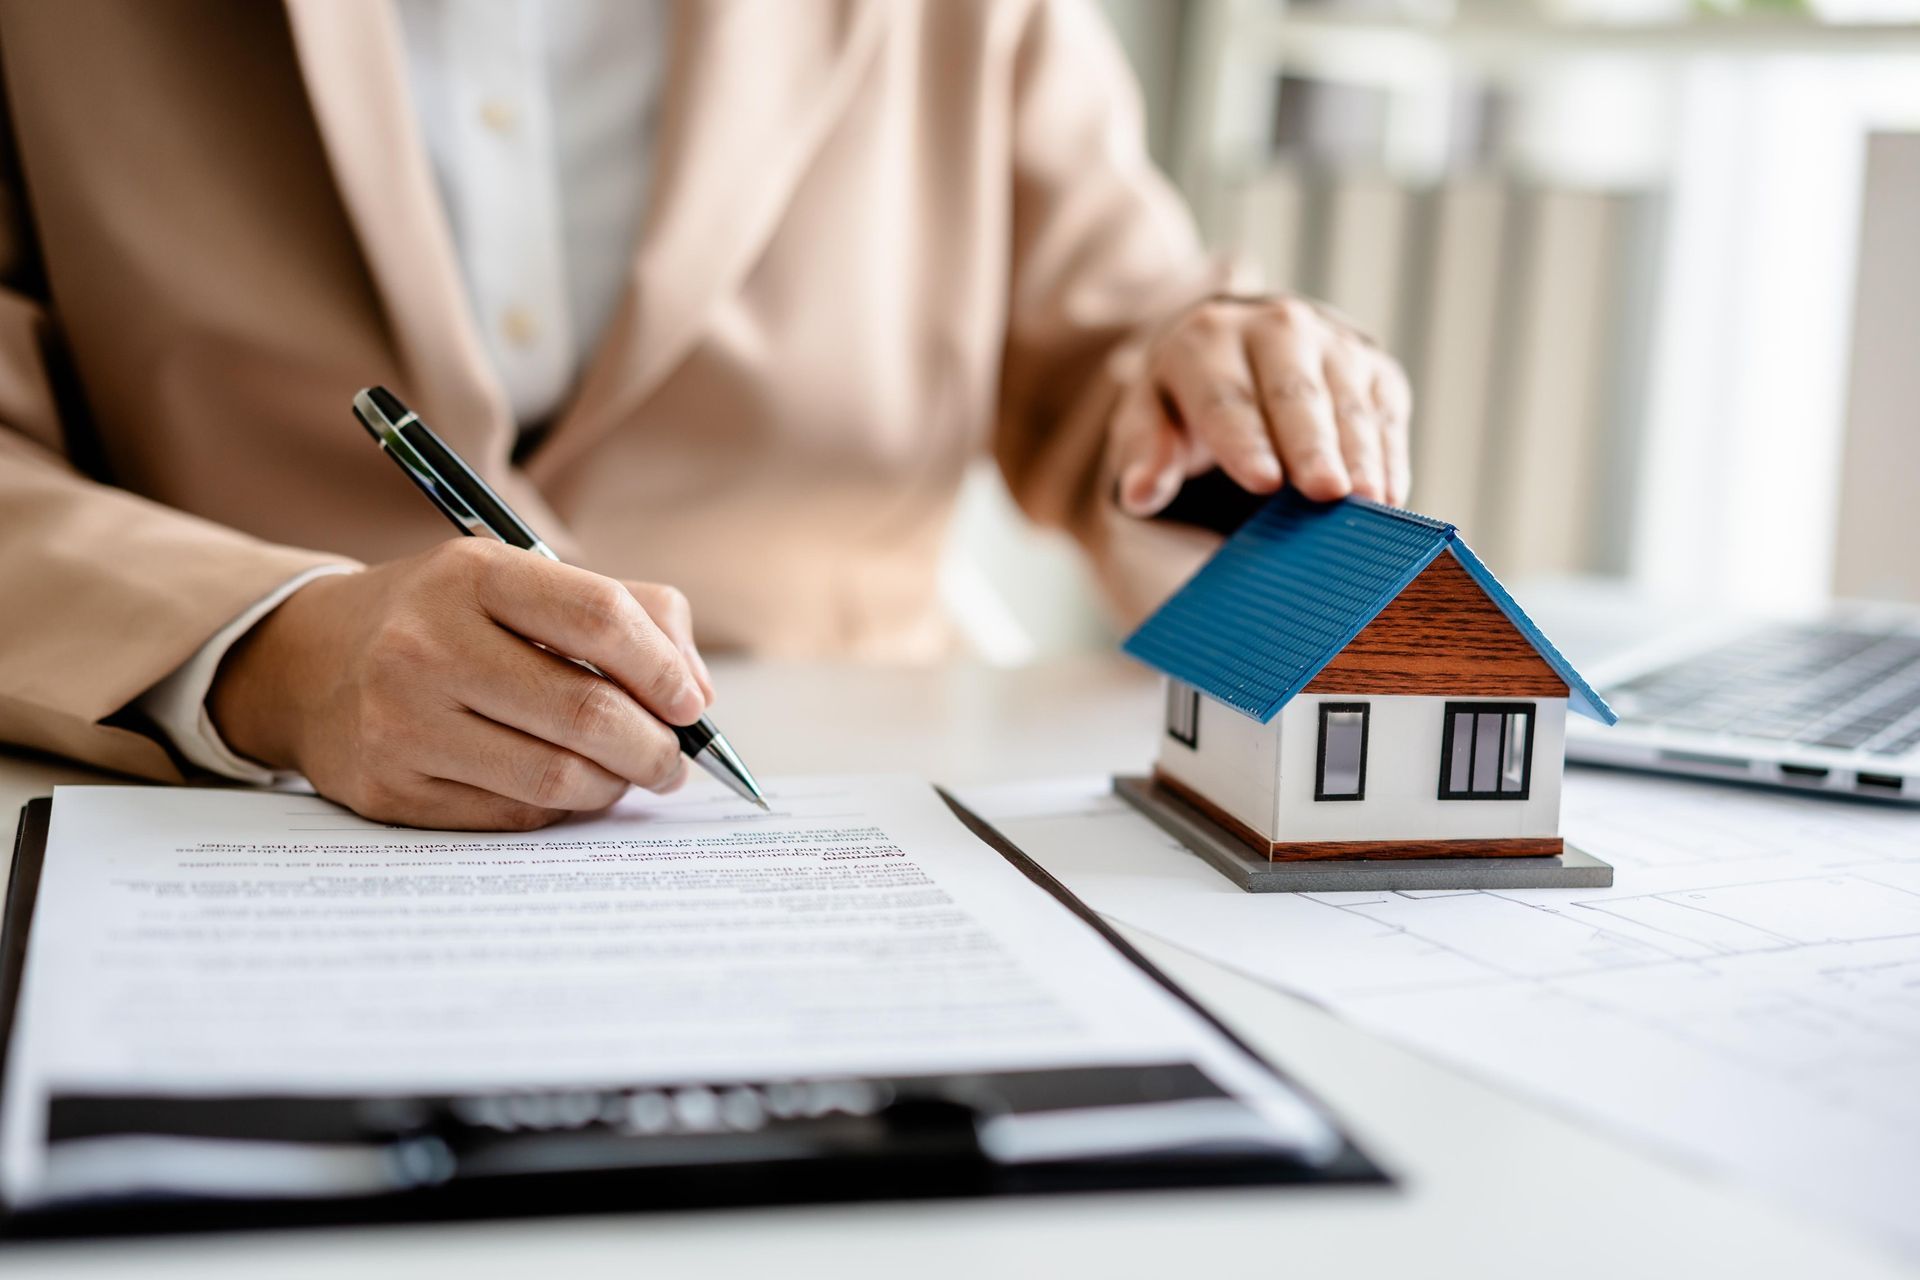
column 1191, row 738
column 1529, row 710
column 1320, row 754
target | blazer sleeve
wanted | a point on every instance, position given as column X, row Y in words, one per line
column 1103, row 252
column 102, row 593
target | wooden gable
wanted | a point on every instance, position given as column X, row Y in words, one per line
column 1441, row 637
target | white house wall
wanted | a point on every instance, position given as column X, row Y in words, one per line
column 1232, row 762
column 1403, row 776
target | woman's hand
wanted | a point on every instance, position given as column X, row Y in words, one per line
column 1271, row 390
column 415, row 692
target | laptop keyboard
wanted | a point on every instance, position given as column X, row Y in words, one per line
column 1824, row 686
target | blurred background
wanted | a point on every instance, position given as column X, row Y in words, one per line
column 1653, row 267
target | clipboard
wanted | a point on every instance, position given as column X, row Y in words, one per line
column 878, row 1140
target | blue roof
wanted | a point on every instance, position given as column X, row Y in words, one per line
column 1296, row 583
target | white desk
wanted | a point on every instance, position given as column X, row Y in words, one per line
column 1490, row 1185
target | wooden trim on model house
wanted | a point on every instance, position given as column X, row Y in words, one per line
column 1366, row 850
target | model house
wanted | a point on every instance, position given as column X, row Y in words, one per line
column 1348, row 680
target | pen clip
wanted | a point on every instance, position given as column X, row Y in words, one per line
column 449, row 483
column 431, row 483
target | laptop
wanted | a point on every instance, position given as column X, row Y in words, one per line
column 1828, row 704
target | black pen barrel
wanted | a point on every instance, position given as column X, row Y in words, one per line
column 475, row 492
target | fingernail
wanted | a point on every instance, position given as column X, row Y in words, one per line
column 688, row 703
column 1326, row 482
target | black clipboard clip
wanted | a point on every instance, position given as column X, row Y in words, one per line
column 311, row 1146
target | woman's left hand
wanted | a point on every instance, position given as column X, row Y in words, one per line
column 1271, row 390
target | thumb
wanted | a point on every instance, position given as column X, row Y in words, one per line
column 1146, row 452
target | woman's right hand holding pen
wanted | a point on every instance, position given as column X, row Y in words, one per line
column 418, row 693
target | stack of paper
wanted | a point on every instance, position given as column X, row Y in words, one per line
column 229, row 945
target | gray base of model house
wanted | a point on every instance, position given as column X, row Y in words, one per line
column 1234, row 859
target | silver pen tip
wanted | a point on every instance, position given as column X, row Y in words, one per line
column 718, row 758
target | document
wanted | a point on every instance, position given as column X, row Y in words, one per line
column 1746, row 996
column 223, row 943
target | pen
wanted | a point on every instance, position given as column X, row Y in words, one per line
column 475, row 509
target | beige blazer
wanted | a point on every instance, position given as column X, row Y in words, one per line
column 885, row 236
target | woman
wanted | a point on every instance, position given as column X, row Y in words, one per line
column 723, row 295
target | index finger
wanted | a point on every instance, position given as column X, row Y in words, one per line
column 582, row 615
column 1212, row 388
column 1293, row 393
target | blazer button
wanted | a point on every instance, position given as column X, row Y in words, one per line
column 519, row 326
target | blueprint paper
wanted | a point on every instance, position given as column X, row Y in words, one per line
column 1746, row 996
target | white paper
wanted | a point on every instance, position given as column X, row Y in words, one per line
column 214, row 942
column 1746, row 996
